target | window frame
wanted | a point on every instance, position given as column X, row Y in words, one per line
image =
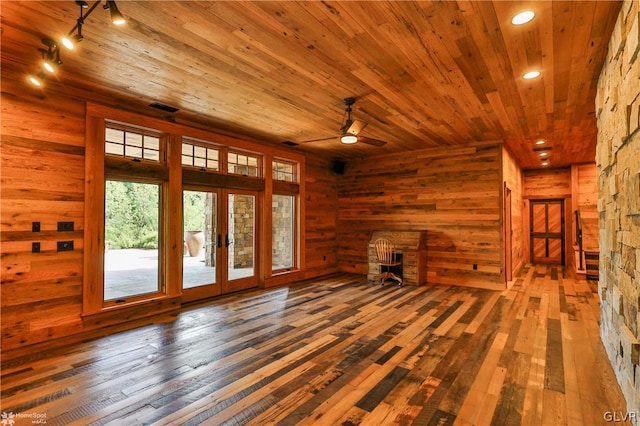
column 206, row 145
column 294, row 172
column 249, row 154
column 139, row 170
column 174, row 177
column 100, row 167
column 296, row 190
column 161, row 244
column 144, row 131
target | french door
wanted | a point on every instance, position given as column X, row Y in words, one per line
column 220, row 247
column 547, row 231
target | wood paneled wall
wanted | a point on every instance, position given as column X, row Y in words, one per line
column 454, row 194
column 43, row 180
column 546, row 184
column 512, row 177
column 321, row 217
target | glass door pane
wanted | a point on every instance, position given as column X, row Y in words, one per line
column 240, row 241
column 200, row 230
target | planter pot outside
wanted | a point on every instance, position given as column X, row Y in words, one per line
column 195, row 242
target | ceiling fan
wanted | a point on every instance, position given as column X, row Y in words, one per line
column 350, row 131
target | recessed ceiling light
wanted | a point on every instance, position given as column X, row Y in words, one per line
column 541, row 142
column 543, row 153
column 523, row 17
column 545, row 163
column 531, row 74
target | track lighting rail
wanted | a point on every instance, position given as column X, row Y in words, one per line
column 51, row 56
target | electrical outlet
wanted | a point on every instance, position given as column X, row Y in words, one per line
column 35, row 226
column 35, row 247
column 65, row 226
column 65, row 245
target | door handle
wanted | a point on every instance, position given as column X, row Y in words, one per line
column 227, row 243
column 219, row 241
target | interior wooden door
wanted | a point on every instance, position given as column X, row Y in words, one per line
column 547, row 231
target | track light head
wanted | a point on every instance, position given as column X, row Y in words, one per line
column 66, row 42
column 47, row 61
column 36, row 80
column 52, row 45
column 70, row 42
column 50, row 56
column 116, row 17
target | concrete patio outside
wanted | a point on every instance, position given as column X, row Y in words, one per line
column 131, row 272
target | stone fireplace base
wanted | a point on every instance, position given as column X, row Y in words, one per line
column 413, row 247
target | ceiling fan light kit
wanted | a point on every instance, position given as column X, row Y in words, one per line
column 348, row 139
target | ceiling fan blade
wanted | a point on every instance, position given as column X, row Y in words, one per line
column 317, row 140
column 371, row 141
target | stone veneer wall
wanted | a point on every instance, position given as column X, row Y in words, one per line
column 618, row 160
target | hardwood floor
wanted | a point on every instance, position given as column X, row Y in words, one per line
column 338, row 351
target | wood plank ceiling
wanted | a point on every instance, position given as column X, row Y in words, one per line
column 425, row 74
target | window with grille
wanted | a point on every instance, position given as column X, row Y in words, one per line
column 284, row 171
column 135, row 144
column 243, row 164
column 200, row 156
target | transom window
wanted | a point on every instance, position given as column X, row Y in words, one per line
column 197, row 155
column 129, row 143
column 243, row 164
column 284, row 170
